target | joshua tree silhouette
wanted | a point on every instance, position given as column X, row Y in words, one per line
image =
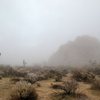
column 24, row 63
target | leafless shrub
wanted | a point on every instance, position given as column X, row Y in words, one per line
column 81, row 96
column 81, row 75
column 96, row 84
column 58, row 78
column 69, row 91
column 30, row 80
column 70, row 87
column 95, row 70
column 54, row 75
column 41, row 77
column 8, row 71
column 23, row 91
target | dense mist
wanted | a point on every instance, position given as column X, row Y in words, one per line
column 82, row 51
column 32, row 30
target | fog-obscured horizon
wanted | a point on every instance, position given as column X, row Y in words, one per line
column 34, row 30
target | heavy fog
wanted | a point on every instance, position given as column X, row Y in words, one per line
column 34, row 29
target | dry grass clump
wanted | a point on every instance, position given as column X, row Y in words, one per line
column 83, row 76
column 23, row 91
column 96, row 84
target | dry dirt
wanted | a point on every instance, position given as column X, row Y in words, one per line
column 45, row 91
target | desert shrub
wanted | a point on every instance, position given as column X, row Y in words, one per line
column 30, row 80
column 76, row 96
column 54, row 75
column 8, row 71
column 64, row 72
column 70, row 87
column 58, row 78
column 50, row 74
column 95, row 70
column 96, row 84
column 23, row 91
column 1, row 73
column 69, row 91
column 81, row 96
column 15, row 79
column 0, row 77
column 82, row 75
column 41, row 77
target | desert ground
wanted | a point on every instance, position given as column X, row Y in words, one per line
column 52, row 84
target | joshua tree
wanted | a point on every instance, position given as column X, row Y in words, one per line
column 24, row 63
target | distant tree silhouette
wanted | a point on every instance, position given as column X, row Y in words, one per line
column 24, row 63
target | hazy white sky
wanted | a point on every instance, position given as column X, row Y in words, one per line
column 34, row 29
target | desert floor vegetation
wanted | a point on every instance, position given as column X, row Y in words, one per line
column 43, row 85
column 23, row 91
